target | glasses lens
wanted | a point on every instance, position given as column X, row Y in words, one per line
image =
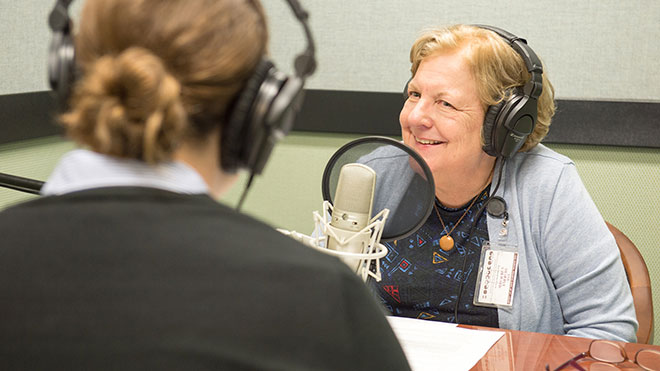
column 599, row 366
column 648, row 359
column 606, row 351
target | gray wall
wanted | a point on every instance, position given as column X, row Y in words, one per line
column 593, row 49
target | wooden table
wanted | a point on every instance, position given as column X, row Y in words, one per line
column 520, row 350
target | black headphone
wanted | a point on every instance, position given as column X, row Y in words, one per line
column 61, row 55
column 260, row 116
column 508, row 123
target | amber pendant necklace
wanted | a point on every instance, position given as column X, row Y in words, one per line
column 446, row 241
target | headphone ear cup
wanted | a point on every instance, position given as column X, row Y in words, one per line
column 489, row 129
column 61, row 66
column 235, row 138
column 280, row 100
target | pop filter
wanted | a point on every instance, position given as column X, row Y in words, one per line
column 404, row 183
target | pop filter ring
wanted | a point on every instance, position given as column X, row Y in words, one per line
column 325, row 182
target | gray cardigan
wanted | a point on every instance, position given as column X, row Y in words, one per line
column 570, row 278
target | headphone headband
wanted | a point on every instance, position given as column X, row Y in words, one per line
column 508, row 124
column 304, row 65
column 534, row 86
column 59, row 20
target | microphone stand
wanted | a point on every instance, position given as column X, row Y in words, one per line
column 18, row 183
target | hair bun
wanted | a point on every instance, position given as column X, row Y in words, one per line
column 128, row 105
column 142, row 84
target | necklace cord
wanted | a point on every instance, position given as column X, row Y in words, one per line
column 444, row 228
column 476, row 221
column 447, row 235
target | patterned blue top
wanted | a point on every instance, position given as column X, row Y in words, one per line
column 420, row 280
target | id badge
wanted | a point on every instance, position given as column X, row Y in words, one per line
column 496, row 281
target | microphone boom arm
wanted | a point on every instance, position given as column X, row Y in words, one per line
column 18, row 183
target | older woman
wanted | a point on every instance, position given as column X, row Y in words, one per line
column 515, row 240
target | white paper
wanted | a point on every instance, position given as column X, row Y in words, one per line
column 432, row 345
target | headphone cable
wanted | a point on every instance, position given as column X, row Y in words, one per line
column 474, row 225
column 245, row 191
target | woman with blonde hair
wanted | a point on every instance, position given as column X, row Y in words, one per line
column 515, row 240
column 128, row 262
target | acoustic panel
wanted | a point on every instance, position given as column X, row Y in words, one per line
column 632, row 124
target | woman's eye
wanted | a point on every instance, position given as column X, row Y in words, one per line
column 444, row 103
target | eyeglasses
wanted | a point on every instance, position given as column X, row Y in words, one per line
column 609, row 354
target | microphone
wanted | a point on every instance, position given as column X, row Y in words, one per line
column 347, row 230
column 365, row 174
column 354, row 199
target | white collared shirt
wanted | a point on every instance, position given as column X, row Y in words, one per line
column 82, row 169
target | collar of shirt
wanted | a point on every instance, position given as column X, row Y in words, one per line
column 83, row 169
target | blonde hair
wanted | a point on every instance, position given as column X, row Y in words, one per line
column 150, row 66
column 496, row 66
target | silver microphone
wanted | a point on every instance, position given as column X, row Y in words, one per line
column 348, row 231
column 351, row 212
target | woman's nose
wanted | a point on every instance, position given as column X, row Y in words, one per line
column 419, row 114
